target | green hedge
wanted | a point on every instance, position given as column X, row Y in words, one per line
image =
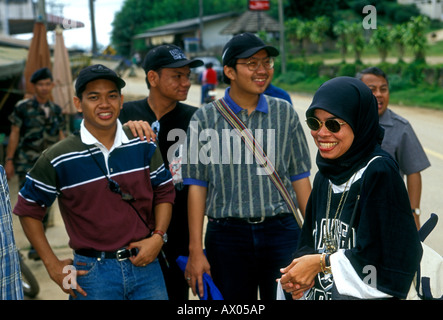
column 400, row 74
column 413, row 84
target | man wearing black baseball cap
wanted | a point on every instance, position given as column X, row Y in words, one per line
column 96, row 71
column 251, row 232
column 244, row 45
column 167, row 76
column 115, row 197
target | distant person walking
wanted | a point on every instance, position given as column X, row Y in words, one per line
column 209, row 81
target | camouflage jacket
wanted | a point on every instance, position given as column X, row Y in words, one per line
column 38, row 131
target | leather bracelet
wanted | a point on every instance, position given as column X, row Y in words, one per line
column 161, row 233
column 9, row 159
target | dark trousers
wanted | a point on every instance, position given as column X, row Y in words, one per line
column 246, row 258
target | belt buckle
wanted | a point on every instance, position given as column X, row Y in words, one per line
column 119, row 253
column 253, row 221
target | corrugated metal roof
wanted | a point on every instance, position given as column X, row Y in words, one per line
column 252, row 21
column 182, row 26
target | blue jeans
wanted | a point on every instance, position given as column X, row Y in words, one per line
column 246, row 257
column 205, row 91
column 110, row 279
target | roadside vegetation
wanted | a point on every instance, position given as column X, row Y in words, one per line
column 323, row 39
column 409, row 52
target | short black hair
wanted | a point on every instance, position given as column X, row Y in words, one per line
column 231, row 63
column 372, row 70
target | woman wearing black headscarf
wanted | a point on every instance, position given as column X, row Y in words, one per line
column 359, row 239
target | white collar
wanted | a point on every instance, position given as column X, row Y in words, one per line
column 88, row 138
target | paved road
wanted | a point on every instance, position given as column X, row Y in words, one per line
column 427, row 124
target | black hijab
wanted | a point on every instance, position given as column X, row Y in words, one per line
column 351, row 100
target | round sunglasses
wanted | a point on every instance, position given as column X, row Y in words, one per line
column 332, row 125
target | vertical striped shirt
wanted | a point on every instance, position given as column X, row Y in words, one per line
column 10, row 276
column 218, row 159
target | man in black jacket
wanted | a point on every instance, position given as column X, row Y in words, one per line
column 167, row 77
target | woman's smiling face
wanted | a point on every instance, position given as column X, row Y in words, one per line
column 332, row 145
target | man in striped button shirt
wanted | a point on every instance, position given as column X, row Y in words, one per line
column 251, row 232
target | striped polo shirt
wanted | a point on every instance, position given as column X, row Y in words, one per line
column 218, row 159
column 96, row 218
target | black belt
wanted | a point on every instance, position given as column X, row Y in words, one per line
column 253, row 220
column 120, row 255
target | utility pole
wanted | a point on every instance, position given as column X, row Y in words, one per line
column 282, row 37
column 93, row 35
column 200, row 2
column 41, row 11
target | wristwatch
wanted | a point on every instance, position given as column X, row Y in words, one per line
column 417, row 211
column 162, row 234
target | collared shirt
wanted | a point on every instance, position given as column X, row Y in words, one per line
column 401, row 142
column 219, row 160
column 95, row 217
column 88, row 138
column 11, row 284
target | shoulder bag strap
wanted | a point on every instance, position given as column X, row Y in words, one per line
column 259, row 154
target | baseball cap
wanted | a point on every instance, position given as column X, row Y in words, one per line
column 94, row 72
column 168, row 56
column 245, row 45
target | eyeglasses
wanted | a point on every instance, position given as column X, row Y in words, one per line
column 115, row 187
column 332, row 125
column 253, row 63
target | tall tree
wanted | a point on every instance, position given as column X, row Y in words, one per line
column 356, row 40
column 416, row 38
column 340, row 30
column 380, row 39
column 397, row 38
column 319, row 28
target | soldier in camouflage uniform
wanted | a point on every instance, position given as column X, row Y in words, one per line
column 36, row 124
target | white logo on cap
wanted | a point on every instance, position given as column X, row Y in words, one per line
column 224, row 54
column 177, row 54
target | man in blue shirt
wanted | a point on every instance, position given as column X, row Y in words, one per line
column 400, row 140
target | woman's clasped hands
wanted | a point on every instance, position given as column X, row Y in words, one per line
column 299, row 276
